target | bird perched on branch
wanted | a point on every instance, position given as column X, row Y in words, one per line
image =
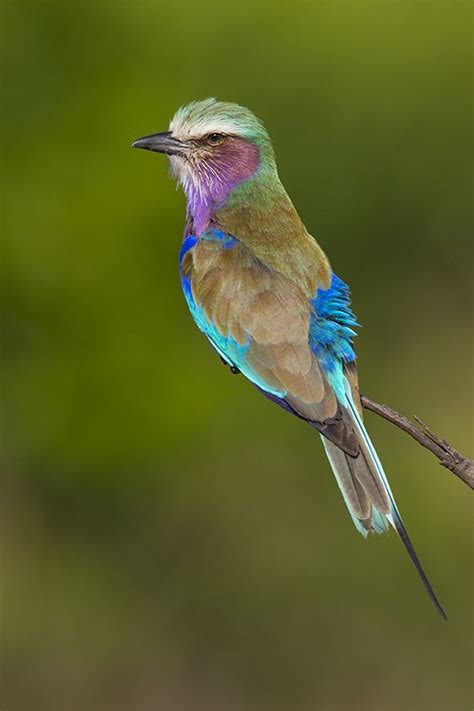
column 262, row 290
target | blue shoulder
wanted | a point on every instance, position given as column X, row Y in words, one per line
column 225, row 240
column 213, row 235
column 188, row 243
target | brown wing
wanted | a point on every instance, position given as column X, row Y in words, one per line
column 254, row 305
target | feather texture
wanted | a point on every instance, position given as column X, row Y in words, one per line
column 242, row 302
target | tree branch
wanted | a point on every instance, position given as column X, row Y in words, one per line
column 448, row 457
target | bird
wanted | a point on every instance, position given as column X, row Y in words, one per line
column 262, row 290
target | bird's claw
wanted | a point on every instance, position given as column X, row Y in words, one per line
column 233, row 369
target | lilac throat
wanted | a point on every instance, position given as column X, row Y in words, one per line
column 216, row 177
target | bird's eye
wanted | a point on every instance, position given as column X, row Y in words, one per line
column 214, row 139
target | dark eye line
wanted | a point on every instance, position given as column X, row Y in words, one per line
column 204, row 140
column 215, row 138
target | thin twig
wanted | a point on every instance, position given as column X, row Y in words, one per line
column 453, row 460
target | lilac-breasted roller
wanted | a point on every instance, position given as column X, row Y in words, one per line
column 262, row 290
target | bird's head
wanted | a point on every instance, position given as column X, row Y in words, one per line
column 213, row 147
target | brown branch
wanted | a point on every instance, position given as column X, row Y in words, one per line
column 448, row 457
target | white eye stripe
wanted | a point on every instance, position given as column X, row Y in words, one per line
column 186, row 130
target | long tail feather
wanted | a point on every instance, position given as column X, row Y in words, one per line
column 367, row 493
column 397, row 523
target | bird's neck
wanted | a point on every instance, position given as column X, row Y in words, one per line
column 259, row 213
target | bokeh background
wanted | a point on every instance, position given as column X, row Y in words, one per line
column 170, row 540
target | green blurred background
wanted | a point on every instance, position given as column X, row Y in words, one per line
column 171, row 540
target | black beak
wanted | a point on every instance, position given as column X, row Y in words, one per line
column 161, row 143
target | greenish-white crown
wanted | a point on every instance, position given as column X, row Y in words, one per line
column 200, row 118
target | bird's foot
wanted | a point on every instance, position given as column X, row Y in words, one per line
column 233, row 369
